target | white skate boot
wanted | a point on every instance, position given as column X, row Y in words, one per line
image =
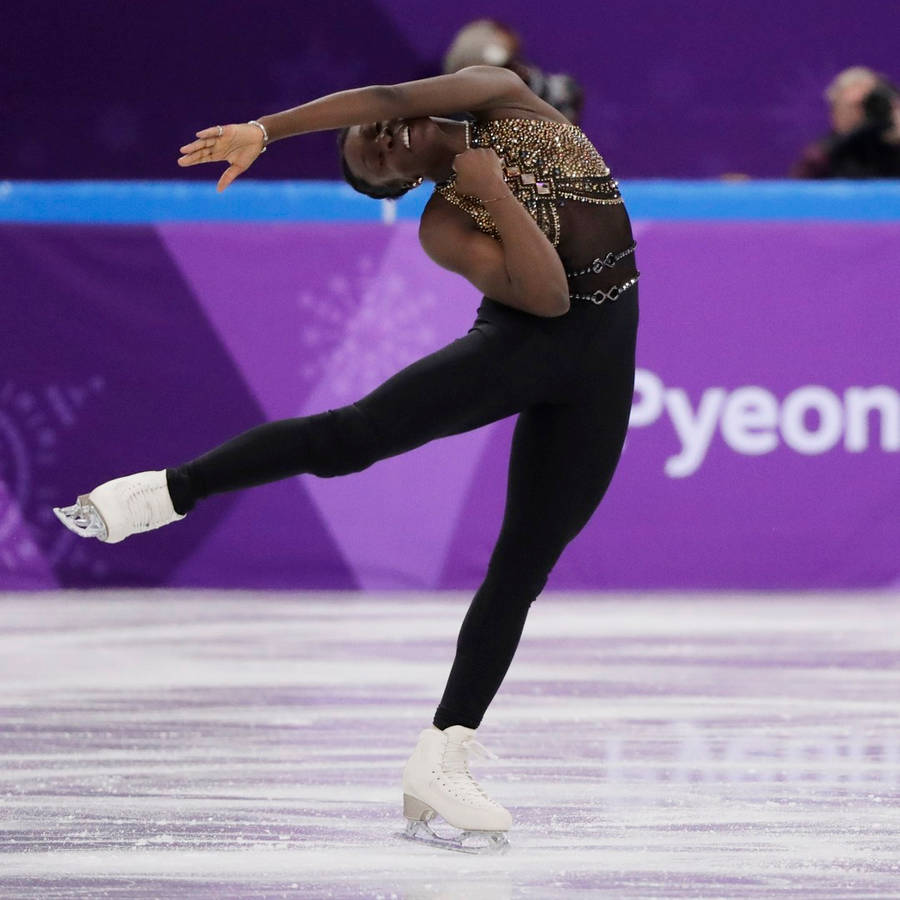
column 436, row 782
column 121, row 507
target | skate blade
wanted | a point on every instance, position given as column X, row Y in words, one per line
column 480, row 842
column 82, row 519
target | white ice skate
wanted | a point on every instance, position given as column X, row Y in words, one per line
column 437, row 782
column 121, row 507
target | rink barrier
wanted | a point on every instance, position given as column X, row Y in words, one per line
column 766, row 429
column 141, row 202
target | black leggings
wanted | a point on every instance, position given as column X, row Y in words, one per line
column 571, row 381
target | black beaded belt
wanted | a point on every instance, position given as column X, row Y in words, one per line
column 595, row 267
column 613, row 293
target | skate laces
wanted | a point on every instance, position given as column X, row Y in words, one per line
column 458, row 753
column 148, row 504
column 455, row 763
column 479, row 751
column 145, row 506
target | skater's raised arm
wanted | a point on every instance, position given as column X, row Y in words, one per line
column 474, row 89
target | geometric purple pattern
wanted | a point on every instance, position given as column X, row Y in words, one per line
column 763, row 452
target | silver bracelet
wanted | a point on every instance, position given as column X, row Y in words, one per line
column 262, row 128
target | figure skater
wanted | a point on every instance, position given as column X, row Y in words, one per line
column 526, row 210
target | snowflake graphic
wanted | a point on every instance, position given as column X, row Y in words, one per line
column 364, row 327
column 31, row 421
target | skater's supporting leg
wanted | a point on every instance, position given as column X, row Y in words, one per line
column 561, row 463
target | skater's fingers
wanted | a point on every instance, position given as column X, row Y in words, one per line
column 206, row 150
column 194, row 146
column 214, row 131
column 228, row 176
column 191, row 159
column 201, row 156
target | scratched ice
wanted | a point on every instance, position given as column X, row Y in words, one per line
column 235, row 745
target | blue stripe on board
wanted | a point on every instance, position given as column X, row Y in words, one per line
column 326, row 201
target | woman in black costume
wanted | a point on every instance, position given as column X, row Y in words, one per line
column 527, row 211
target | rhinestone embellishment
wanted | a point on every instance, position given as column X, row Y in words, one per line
column 599, row 297
column 596, row 266
column 544, row 164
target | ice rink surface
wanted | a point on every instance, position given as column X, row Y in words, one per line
column 210, row 745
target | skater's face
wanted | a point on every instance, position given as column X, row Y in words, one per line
column 390, row 155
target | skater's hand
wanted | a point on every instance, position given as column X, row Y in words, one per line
column 479, row 174
column 238, row 145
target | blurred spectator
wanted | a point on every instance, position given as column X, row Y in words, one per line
column 865, row 138
column 490, row 43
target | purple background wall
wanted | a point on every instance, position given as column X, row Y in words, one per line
column 101, row 90
column 754, row 459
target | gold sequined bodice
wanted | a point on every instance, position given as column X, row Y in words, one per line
column 544, row 164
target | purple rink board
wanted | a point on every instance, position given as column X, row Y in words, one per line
column 763, row 454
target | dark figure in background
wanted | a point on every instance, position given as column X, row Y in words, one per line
column 865, row 137
column 490, row 43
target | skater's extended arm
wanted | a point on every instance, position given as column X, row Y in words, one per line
column 475, row 89
column 523, row 269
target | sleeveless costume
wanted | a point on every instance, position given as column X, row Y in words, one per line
column 570, row 379
column 544, row 165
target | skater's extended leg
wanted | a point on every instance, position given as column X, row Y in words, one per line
column 471, row 382
column 494, row 371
